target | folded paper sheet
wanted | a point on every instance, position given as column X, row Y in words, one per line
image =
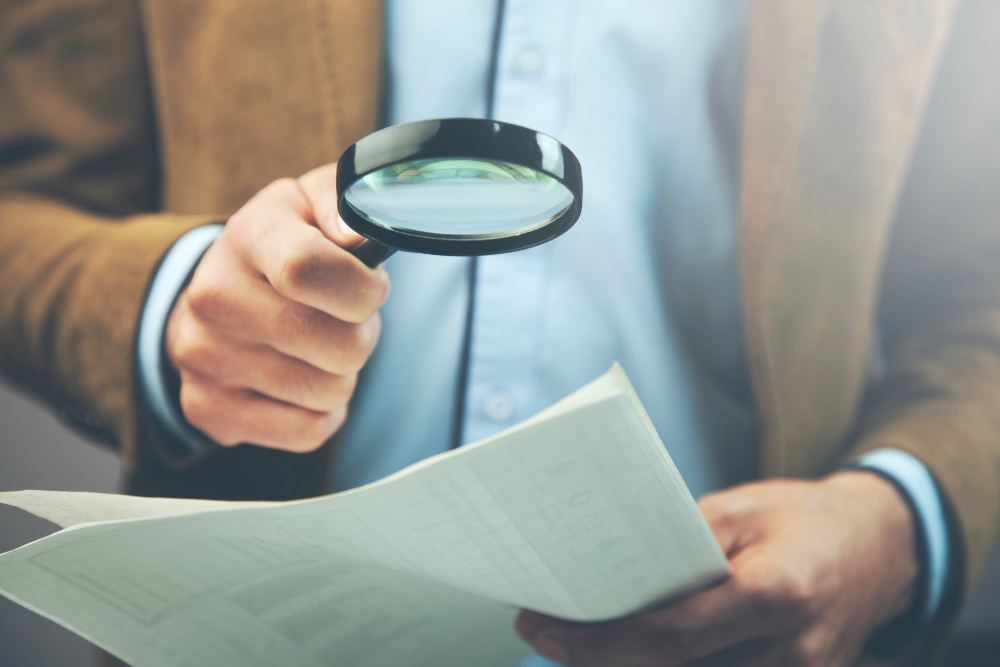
column 577, row 512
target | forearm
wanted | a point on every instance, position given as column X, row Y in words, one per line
column 74, row 287
column 940, row 403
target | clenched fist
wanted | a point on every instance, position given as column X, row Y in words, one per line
column 278, row 318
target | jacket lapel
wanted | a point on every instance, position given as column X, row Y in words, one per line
column 834, row 97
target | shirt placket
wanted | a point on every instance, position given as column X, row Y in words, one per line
column 508, row 319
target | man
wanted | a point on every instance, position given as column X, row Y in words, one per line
column 857, row 130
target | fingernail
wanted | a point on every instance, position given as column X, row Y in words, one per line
column 547, row 647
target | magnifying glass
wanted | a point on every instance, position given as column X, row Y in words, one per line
column 457, row 186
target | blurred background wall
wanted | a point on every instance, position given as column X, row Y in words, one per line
column 37, row 452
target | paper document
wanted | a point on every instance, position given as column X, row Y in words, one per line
column 577, row 512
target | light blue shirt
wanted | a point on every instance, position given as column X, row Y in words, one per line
column 659, row 201
column 648, row 94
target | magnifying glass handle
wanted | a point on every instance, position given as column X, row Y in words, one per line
column 372, row 253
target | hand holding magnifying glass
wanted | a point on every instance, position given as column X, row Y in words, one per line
column 457, row 186
column 269, row 334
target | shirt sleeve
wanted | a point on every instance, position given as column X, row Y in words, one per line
column 916, row 482
column 171, row 277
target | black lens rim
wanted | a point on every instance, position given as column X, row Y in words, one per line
column 472, row 138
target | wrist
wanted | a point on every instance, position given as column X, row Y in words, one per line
column 892, row 531
column 181, row 442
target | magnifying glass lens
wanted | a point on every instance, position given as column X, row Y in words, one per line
column 458, row 197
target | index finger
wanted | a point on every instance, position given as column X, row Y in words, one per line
column 300, row 262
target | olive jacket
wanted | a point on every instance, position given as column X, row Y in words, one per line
column 870, row 203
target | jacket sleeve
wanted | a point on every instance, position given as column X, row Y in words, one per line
column 78, row 164
column 940, row 305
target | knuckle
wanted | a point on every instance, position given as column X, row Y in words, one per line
column 240, row 220
column 334, row 391
column 189, row 403
column 713, row 506
column 362, row 292
column 358, row 345
column 336, row 420
column 224, row 437
column 201, row 415
column 378, row 292
column 192, row 406
column 380, row 287
column 315, row 272
column 345, row 388
column 302, row 271
column 310, row 433
column 190, row 350
column 760, row 594
column 308, row 268
column 808, row 654
column 204, row 297
column 368, row 334
column 794, row 593
column 249, row 225
column 278, row 186
column 295, row 325
column 181, row 343
column 284, row 183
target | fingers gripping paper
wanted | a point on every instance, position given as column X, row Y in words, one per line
column 577, row 513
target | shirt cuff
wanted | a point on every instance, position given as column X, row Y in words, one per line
column 172, row 276
column 916, row 482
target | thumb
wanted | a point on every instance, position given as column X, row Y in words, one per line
column 727, row 523
column 320, row 188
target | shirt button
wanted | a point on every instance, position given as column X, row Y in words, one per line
column 529, row 63
column 498, row 406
